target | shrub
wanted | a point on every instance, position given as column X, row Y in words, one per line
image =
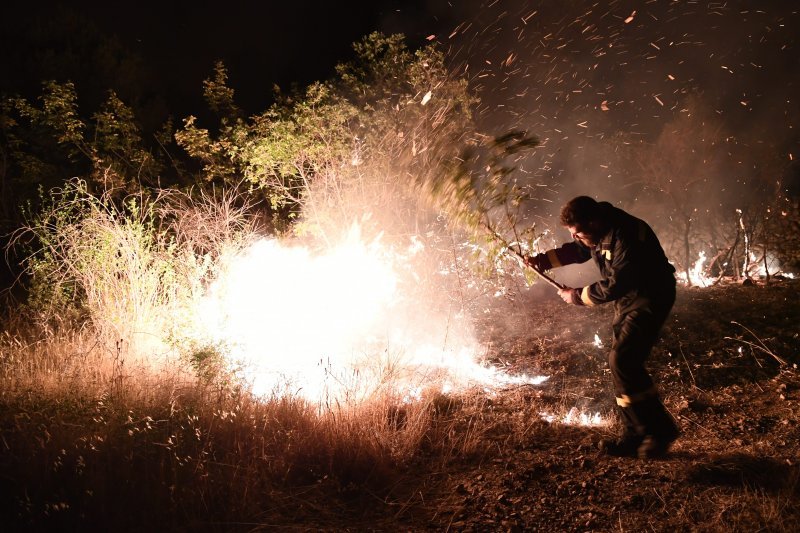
column 131, row 268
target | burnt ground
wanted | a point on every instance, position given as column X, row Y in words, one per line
column 727, row 370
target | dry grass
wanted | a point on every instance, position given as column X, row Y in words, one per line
column 91, row 435
column 134, row 268
column 109, row 404
column 84, row 437
column 88, row 441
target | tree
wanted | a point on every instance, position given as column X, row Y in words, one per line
column 46, row 142
column 345, row 146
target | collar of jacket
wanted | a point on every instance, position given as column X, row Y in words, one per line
column 603, row 248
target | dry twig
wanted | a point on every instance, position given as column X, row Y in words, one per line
column 760, row 346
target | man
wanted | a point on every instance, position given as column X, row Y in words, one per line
column 637, row 277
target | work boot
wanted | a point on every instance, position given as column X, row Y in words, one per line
column 627, row 445
column 659, row 426
column 656, row 447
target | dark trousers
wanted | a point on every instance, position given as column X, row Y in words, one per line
column 635, row 334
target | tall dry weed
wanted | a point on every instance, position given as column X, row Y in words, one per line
column 133, row 268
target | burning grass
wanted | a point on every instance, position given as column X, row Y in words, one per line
column 356, row 375
column 215, row 377
column 82, row 439
column 84, row 436
column 167, row 279
column 432, row 432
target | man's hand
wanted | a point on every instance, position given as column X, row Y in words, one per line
column 538, row 262
column 571, row 296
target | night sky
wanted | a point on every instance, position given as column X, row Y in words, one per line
column 159, row 53
column 580, row 74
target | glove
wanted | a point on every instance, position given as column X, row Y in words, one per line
column 571, row 296
column 538, row 262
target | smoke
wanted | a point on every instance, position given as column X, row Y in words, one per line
column 579, row 73
column 614, row 89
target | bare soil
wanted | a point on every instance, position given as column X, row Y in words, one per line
column 727, row 369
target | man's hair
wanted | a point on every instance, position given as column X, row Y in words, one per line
column 580, row 211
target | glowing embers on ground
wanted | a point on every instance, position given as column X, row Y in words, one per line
column 576, row 417
column 342, row 325
column 597, row 341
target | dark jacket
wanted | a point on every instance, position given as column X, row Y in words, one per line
column 634, row 267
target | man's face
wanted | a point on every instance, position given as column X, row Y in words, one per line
column 584, row 234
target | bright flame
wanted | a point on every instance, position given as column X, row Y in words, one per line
column 697, row 276
column 340, row 325
column 575, row 417
column 759, row 269
column 756, row 269
column 597, row 341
